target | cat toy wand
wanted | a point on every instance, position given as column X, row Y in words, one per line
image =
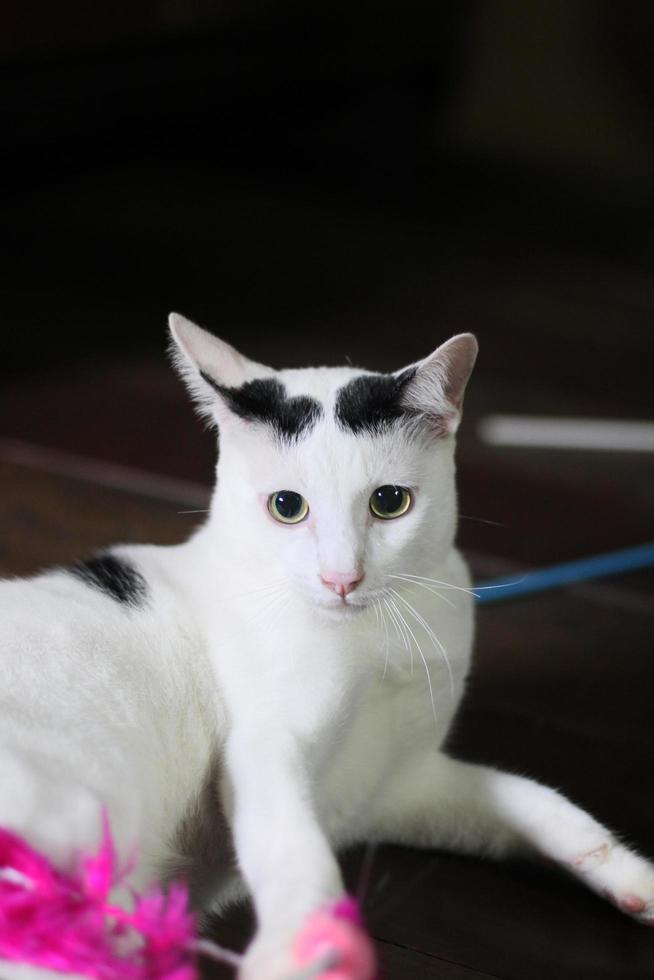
column 567, row 573
column 66, row 923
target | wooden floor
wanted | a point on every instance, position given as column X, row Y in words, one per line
column 563, row 687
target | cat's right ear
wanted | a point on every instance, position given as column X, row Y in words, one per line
column 208, row 364
column 437, row 384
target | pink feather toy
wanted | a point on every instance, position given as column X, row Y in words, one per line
column 65, row 923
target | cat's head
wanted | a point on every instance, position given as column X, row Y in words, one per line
column 334, row 479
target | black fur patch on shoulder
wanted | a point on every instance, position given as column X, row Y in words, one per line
column 265, row 400
column 114, row 576
column 371, row 402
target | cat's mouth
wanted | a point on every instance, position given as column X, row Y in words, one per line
column 349, row 605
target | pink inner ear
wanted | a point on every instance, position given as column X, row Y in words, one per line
column 459, row 355
column 450, row 422
column 437, row 389
column 441, row 424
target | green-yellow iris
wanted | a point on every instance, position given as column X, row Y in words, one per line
column 287, row 506
column 390, row 501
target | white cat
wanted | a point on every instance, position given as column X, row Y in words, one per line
column 289, row 673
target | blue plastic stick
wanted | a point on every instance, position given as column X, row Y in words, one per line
column 556, row 576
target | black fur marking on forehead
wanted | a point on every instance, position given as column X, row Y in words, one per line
column 372, row 402
column 114, row 576
column 265, row 400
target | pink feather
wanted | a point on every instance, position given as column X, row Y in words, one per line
column 64, row 922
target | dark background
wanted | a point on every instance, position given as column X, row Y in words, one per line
column 315, row 180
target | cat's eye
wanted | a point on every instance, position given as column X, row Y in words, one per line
column 390, row 501
column 287, row 507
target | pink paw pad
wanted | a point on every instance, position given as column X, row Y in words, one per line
column 336, row 933
column 631, row 903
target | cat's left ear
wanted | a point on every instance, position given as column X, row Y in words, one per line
column 436, row 387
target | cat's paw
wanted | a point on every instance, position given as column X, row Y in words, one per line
column 336, row 937
column 624, row 878
column 333, row 945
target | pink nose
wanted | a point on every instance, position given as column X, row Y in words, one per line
column 342, row 583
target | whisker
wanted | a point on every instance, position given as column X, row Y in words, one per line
column 422, row 657
column 435, row 641
column 401, row 637
column 432, row 636
column 502, row 585
column 481, row 520
column 203, row 511
column 272, row 592
column 272, row 602
column 446, row 585
column 278, row 583
column 397, row 617
column 387, row 640
column 282, row 607
column 428, row 587
column 378, row 606
column 399, row 627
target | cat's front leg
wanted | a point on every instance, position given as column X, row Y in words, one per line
column 283, row 853
column 439, row 802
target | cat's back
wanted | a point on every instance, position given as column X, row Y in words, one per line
column 114, row 617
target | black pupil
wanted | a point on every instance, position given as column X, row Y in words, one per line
column 389, row 499
column 288, row 504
